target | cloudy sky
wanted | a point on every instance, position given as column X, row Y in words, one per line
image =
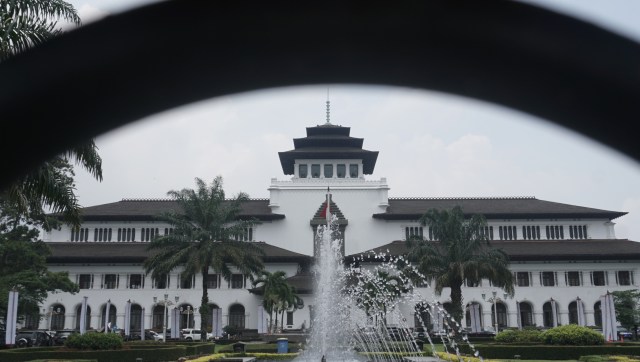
column 431, row 144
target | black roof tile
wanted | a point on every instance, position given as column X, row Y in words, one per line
column 492, row 208
column 541, row 250
column 119, row 252
column 148, row 209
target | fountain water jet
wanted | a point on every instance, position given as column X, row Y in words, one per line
column 359, row 309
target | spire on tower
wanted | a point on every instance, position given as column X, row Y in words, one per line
column 328, row 109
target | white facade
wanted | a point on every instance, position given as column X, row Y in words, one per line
column 359, row 199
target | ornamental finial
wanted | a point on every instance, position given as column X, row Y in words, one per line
column 328, row 109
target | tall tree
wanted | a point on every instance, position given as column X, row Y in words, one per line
column 288, row 301
column 204, row 238
column 377, row 292
column 25, row 23
column 273, row 286
column 627, row 303
column 23, row 264
column 462, row 251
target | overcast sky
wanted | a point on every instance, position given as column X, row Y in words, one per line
column 431, row 144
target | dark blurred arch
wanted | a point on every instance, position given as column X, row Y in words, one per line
column 168, row 54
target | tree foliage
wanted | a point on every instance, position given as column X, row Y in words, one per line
column 25, row 23
column 626, row 304
column 278, row 296
column 376, row 293
column 204, row 237
column 51, row 188
column 461, row 252
column 572, row 334
column 22, row 213
column 23, row 264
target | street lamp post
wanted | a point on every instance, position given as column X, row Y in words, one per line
column 495, row 300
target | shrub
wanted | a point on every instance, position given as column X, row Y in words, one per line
column 517, row 336
column 592, row 358
column 230, row 330
column 572, row 334
column 94, row 341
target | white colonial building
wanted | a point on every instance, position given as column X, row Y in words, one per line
column 561, row 254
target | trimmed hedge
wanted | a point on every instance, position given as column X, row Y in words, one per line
column 549, row 352
column 572, row 334
column 94, row 341
column 519, row 336
column 163, row 352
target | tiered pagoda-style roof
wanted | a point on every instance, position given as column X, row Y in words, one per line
column 328, row 141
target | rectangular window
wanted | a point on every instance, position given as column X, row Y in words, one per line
column 161, row 282
column 573, row 278
column 598, row 278
column 302, row 171
column 471, row 284
column 353, row 171
column 328, row 171
column 237, row 281
column 315, row 171
column 212, row 281
column 522, row 279
column 85, row 281
column 548, row 279
column 624, row 277
column 414, row 232
column 289, row 318
column 136, row 281
column 341, row 170
column 110, row 281
column 186, row 282
column 247, row 235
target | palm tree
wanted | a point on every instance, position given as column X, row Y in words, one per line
column 25, row 23
column 51, row 186
column 462, row 252
column 203, row 238
column 273, row 285
column 377, row 291
column 289, row 301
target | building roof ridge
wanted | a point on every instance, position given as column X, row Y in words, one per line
column 144, row 199
column 467, row 198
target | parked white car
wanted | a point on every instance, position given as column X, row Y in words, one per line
column 152, row 334
column 191, row 334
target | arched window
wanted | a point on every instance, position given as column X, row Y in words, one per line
column 469, row 318
column 158, row 317
column 112, row 315
column 236, row 316
column 526, row 314
column 207, row 320
column 87, row 320
column 502, row 315
column 186, row 316
column 422, row 317
column 597, row 314
column 573, row 313
column 135, row 322
column 547, row 314
column 57, row 317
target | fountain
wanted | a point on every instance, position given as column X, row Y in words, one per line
column 360, row 309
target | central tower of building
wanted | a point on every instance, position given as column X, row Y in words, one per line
column 328, row 157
